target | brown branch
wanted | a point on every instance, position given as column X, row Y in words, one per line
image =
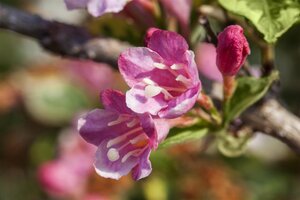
column 61, row 39
column 273, row 119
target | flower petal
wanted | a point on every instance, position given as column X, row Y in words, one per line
column 59, row 179
column 99, row 7
column 180, row 105
column 137, row 101
column 93, row 127
column 192, row 67
column 115, row 101
column 144, row 168
column 162, row 127
column 169, row 45
column 112, row 169
column 150, row 129
column 134, row 63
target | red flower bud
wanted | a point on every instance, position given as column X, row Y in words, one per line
column 232, row 50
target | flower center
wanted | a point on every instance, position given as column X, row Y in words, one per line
column 131, row 143
column 152, row 88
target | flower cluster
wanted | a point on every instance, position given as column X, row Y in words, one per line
column 164, row 84
column 68, row 174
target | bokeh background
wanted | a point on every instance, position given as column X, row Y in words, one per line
column 42, row 156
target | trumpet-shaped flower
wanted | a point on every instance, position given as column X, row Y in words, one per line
column 124, row 138
column 97, row 7
column 163, row 76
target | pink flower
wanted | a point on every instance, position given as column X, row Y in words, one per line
column 60, row 179
column 163, row 76
column 206, row 61
column 97, row 7
column 232, row 50
column 124, row 138
column 67, row 175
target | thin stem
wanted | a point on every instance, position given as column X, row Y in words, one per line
column 267, row 59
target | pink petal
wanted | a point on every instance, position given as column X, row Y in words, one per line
column 149, row 128
column 115, row 101
column 163, row 128
column 135, row 62
column 192, row 67
column 108, row 169
column 93, row 127
column 149, row 33
column 99, row 7
column 143, row 169
column 58, row 179
column 180, row 105
column 139, row 103
column 169, row 45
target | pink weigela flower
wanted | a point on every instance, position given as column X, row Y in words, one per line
column 97, row 7
column 163, row 76
column 232, row 50
column 124, row 138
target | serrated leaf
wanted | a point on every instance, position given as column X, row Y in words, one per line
column 248, row 91
column 271, row 17
column 181, row 135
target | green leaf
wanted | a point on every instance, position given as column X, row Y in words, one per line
column 248, row 91
column 271, row 17
column 181, row 135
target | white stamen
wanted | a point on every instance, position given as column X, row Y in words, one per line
column 176, row 66
column 137, row 139
column 174, row 89
column 80, row 123
column 160, row 65
column 117, row 121
column 183, row 79
column 130, row 154
column 152, row 90
column 122, row 137
column 132, row 123
column 113, row 154
column 167, row 95
column 148, row 81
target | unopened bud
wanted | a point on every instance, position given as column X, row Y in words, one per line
column 232, row 50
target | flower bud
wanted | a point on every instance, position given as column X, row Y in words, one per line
column 232, row 50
